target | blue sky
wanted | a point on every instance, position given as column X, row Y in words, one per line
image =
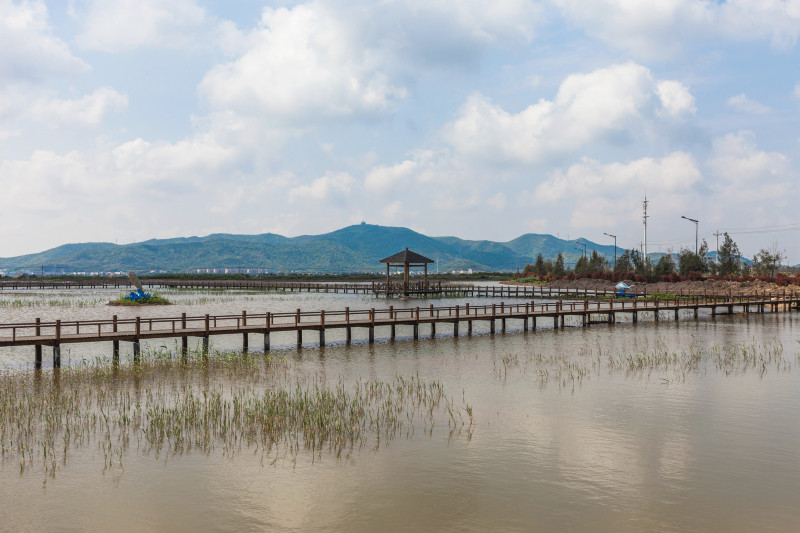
column 484, row 119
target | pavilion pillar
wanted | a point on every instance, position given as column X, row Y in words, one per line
column 387, row 279
column 405, row 278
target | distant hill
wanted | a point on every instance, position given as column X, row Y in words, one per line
column 352, row 249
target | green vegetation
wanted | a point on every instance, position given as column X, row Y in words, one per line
column 532, row 279
column 233, row 403
column 568, row 370
column 154, row 299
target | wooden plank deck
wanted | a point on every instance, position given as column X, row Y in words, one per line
column 56, row 333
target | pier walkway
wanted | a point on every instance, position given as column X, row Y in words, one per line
column 114, row 330
column 433, row 288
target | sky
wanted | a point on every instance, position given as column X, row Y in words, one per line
column 482, row 119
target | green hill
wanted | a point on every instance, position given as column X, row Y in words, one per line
column 352, row 249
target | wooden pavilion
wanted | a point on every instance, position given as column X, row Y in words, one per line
column 406, row 259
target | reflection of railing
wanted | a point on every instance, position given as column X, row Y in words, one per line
column 55, row 333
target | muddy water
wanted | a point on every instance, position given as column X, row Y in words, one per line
column 570, row 433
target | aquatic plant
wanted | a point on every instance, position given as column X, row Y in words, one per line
column 154, row 299
column 167, row 404
column 645, row 359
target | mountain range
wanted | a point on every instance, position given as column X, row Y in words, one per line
column 355, row 248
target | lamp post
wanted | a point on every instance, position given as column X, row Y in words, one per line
column 615, row 248
column 695, row 231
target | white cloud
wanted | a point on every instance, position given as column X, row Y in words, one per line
column 421, row 167
column 742, row 103
column 326, row 58
column 333, row 185
column 498, row 201
column 392, row 211
column 608, row 103
column 737, row 159
column 8, row 134
column 449, row 33
column 129, row 24
column 302, row 62
column 663, row 28
column 30, row 51
column 89, row 109
column 675, row 98
column 676, row 172
column 797, row 90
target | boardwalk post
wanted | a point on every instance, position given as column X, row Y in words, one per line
column 433, row 323
column 416, row 323
column 299, row 331
column 349, row 330
column 244, row 334
column 57, row 346
column 525, row 320
column 322, row 328
column 455, row 324
column 494, row 314
column 184, row 338
column 136, row 346
column 561, row 312
column 372, row 325
column 37, row 363
column 205, row 334
column 393, row 329
column 266, row 332
column 114, row 343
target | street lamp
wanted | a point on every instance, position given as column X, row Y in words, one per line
column 584, row 247
column 695, row 232
column 615, row 248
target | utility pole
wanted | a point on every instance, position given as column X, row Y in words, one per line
column 615, row 248
column 584, row 247
column 644, row 219
column 716, row 254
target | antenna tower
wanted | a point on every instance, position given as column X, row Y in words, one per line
column 644, row 219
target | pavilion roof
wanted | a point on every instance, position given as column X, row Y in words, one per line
column 407, row 256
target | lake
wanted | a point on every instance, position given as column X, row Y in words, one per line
column 668, row 426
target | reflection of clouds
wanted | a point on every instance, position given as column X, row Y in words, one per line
column 675, row 457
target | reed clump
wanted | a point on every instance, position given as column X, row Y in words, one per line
column 645, row 359
column 170, row 405
column 155, row 299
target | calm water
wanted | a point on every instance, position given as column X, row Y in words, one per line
column 566, row 437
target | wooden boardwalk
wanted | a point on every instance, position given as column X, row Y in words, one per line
column 378, row 288
column 434, row 288
column 54, row 334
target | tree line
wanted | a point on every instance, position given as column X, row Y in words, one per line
column 669, row 267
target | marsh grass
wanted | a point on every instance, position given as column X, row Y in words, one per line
column 647, row 359
column 154, row 299
column 167, row 405
column 38, row 300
